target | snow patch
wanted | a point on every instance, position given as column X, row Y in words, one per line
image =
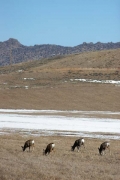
column 28, row 78
column 55, row 111
column 97, row 81
column 59, row 125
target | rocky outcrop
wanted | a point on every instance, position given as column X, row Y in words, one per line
column 12, row 51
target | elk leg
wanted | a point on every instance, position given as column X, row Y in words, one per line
column 78, row 147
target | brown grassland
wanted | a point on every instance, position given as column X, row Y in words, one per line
column 47, row 84
column 60, row 164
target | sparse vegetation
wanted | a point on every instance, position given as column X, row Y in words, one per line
column 12, row 52
column 46, row 84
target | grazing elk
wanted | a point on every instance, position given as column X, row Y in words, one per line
column 103, row 147
column 78, row 143
column 50, row 147
column 29, row 143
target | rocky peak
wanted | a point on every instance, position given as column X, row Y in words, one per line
column 13, row 43
column 13, row 49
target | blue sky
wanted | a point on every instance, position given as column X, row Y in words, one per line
column 60, row 22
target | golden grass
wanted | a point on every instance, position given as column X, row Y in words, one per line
column 64, row 96
column 61, row 164
column 51, row 87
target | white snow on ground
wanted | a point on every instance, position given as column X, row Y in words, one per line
column 28, row 78
column 97, row 81
column 60, row 124
column 31, row 111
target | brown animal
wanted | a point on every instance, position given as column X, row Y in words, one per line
column 103, row 147
column 50, row 147
column 78, row 143
column 30, row 143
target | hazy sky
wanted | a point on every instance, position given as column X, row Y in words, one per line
column 60, row 22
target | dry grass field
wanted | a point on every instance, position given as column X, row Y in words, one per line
column 62, row 164
column 44, row 85
column 47, row 84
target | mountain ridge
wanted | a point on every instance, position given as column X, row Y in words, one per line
column 12, row 51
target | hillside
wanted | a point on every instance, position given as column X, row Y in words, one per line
column 12, row 51
column 50, row 84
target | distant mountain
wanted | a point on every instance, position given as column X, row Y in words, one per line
column 12, row 51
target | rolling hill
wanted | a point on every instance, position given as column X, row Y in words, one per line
column 12, row 51
column 49, row 83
